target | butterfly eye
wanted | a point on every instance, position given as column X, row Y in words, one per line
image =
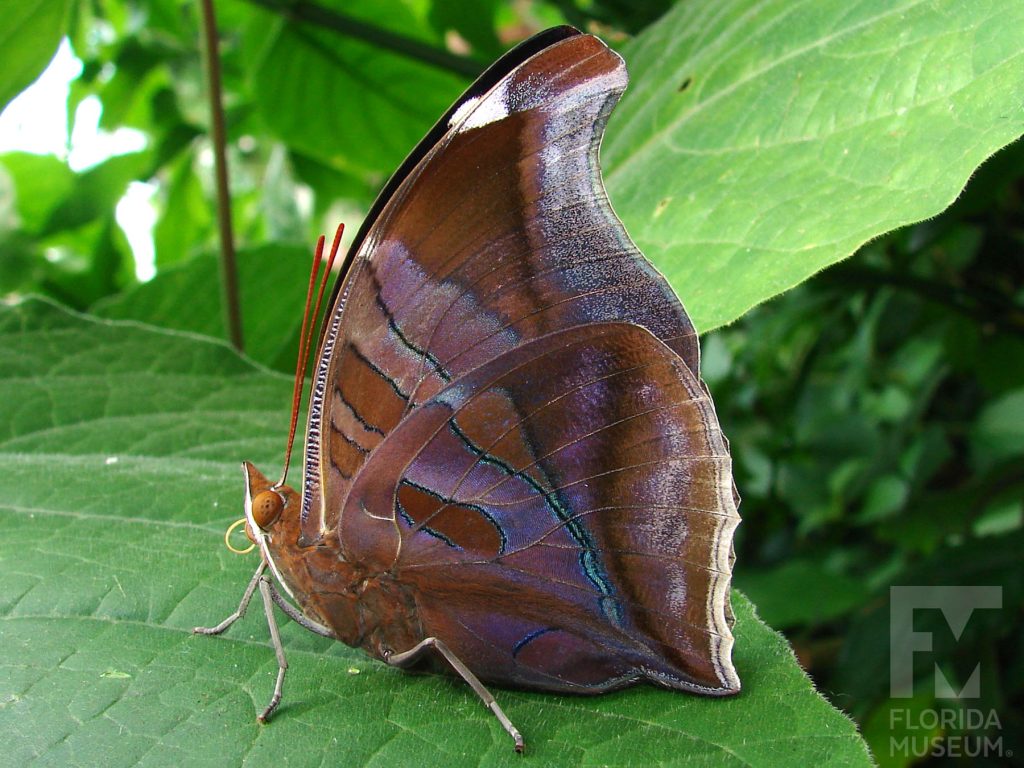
column 266, row 508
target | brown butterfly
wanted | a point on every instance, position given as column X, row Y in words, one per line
column 513, row 470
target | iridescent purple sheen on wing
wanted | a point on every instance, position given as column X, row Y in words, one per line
column 509, row 446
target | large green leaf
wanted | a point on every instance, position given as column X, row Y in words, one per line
column 96, row 191
column 473, row 20
column 60, row 236
column 999, row 431
column 762, row 141
column 350, row 105
column 119, row 450
column 40, row 184
column 785, row 601
column 187, row 297
column 29, row 37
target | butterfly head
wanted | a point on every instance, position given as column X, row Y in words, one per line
column 272, row 523
column 266, row 506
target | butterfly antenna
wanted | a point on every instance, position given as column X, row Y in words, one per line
column 306, row 334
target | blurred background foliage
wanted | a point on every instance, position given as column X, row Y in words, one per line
column 876, row 412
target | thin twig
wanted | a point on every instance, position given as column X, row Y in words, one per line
column 311, row 13
column 228, row 265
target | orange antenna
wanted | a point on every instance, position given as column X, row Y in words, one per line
column 335, row 246
column 306, row 333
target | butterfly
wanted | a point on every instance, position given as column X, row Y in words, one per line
column 513, row 471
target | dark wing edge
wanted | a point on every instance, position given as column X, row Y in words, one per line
column 487, row 80
column 545, row 83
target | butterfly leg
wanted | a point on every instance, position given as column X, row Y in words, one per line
column 246, row 597
column 266, row 591
column 407, row 658
column 272, row 597
column 296, row 615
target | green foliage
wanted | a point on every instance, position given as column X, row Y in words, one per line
column 31, row 31
column 876, row 419
column 302, row 70
column 274, row 283
column 773, row 142
column 876, row 412
column 115, row 496
column 58, row 234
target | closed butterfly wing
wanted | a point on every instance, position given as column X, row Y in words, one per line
column 511, row 462
column 561, row 516
column 496, row 232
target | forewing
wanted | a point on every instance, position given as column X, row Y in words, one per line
column 500, row 234
column 563, row 516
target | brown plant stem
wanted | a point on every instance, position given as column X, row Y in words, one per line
column 228, row 264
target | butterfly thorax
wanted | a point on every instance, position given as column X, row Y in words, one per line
column 372, row 611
